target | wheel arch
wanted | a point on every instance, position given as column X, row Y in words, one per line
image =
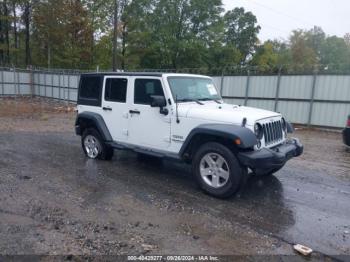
column 92, row 120
column 226, row 134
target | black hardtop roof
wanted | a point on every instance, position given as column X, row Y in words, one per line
column 155, row 74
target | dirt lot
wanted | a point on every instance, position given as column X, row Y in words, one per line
column 55, row 201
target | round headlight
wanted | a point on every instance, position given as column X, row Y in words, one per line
column 258, row 130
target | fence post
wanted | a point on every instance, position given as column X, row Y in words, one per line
column 59, row 86
column 45, row 85
column 36, row 78
column 14, row 82
column 247, row 88
column 2, row 82
column 64, row 86
column 222, row 81
column 31, row 82
column 18, row 83
column 312, row 97
column 52, row 85
column 78, row 82
column 68, row 99
column 278, row 88
column 15, row 89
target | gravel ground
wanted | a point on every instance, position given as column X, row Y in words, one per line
column 54, row 201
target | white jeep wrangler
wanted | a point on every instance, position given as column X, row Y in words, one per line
column 181, row 116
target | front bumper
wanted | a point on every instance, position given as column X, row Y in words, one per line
column 269, row 159
column 346, row 136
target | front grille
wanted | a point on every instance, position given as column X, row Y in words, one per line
column 273, row 132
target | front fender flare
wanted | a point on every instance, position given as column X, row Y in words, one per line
column 226, row 131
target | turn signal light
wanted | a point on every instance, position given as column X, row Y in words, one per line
column 238, row 142
column 348, row 123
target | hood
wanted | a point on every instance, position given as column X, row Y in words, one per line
column 225, row 113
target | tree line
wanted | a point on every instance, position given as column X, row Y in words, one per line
column 158, row 34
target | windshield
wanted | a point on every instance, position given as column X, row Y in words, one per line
column 187, row 89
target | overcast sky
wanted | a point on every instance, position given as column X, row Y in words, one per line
column 279, row 17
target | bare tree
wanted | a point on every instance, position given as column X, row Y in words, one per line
column 7, row 33
column 1, row 36
column 15, row 30
column 27, row 9
column 115, row 34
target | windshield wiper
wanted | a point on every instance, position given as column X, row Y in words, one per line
column 190, row 100
column 210, row 99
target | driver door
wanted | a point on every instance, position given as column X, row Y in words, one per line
column 147, row 126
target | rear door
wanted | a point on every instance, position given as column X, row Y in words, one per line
column 115, row 107
column 147, row 126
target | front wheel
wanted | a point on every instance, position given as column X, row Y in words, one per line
column 217, row 170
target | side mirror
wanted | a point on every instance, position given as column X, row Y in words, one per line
column 160, row 101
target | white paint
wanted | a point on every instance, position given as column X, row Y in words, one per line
column 116, row 120
column 153, row 130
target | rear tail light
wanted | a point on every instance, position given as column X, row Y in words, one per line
column 348, row 123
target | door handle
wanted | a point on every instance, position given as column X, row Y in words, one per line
column 107, row 108
column 135, row 112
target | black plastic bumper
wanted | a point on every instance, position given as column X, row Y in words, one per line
column 346, row 136
column 268, row 159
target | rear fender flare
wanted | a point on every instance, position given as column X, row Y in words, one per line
column 89, row 119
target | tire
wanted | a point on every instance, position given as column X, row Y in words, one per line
column 222, row 177
column 94, row 147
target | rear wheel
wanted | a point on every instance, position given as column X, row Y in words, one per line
column 94, row 146
column 217, row 170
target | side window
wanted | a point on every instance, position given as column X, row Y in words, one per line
column 90, row 90
column 90, row 87
column 145, row 88
column 116, row 89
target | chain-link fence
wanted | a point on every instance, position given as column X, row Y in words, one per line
column 33, row 92
column 315, row 97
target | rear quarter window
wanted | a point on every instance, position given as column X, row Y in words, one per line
column 90, row 89
column 116, row 89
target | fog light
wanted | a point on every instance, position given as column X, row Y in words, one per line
column 258, row 145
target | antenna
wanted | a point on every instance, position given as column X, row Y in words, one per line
column 177, row 111
column 244, row 122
